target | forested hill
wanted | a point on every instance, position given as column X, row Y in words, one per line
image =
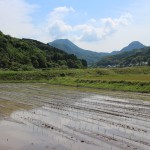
column 90, row 56
column 133, row 45
column 27, row 54
column 69, row 47
column 137, row 57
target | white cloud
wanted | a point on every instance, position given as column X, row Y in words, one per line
column 59, row 11
column 59, row 29
column 55, row 24
column 15, row 18
column 92, row 30
column 112, row 25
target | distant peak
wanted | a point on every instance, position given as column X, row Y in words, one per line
column 135, row 42
column 64, row 40
column 133, row 45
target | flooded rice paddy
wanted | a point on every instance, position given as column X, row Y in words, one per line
column 45, row 117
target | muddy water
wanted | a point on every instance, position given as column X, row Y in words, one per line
column 69, row 119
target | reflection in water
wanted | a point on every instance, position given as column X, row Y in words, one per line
column 73, row 120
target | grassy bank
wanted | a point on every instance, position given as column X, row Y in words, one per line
column 134, row 79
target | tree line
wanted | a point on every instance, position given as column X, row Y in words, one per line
column 28, row 54
column 137, row 57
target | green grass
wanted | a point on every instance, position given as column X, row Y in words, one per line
column 104, row 84
column 134, row 79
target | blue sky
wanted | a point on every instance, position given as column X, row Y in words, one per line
column 98, row 25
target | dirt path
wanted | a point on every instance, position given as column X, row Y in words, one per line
column 45, row 117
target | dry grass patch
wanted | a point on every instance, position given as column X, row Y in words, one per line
column 7, row 107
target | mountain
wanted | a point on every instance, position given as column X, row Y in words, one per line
column 133, row 45
column 90, row 56
column 135, row 57
column 69, row 47
column 134, row 54
column 130, row 47
column 27, row 54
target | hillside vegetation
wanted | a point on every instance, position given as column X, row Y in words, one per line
column 66, row 45
column 133, row 45
column 136, row 57
column 93, row 57
column 27, row 54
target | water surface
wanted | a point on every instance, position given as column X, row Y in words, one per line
column 69, row 119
